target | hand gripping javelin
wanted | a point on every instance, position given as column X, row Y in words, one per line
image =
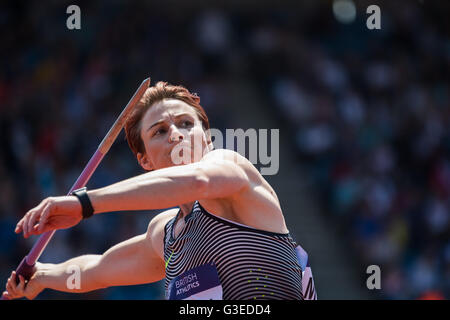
column 26, row 268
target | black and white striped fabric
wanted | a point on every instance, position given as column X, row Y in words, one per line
column 214, row 258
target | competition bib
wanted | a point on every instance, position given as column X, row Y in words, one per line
column 200, row 283
column 308, row 288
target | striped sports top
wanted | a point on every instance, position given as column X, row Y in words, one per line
column 214, row 258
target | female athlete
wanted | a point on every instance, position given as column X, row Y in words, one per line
column 226, row 238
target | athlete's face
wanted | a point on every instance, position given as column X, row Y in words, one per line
column 172, row 135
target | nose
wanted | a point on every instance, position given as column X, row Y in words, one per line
column 175, row 134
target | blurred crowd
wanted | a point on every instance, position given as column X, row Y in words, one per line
column 368, row 111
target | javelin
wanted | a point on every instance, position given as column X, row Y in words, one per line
column 26, row 268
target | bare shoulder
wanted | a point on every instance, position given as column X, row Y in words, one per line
column 254, row 177
column 155, row 230
column 234, row 157
column 225, row 154
column 256, row 205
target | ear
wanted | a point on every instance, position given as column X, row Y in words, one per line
column 209, row 143
column 144, row 161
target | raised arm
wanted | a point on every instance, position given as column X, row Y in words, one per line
column 220, row 174
column 215, row 176
column 134, row 261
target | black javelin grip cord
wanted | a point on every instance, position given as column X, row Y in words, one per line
column 26, row 267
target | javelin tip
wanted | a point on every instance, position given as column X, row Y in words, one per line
column 146, row 82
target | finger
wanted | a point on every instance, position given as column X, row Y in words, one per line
column 27, row 222
column 14, row 281
column 8, row 285
column 35, row 224
column 11, row 285
column 5, row 295
column 23, row 224
column 43, row 219
column 41, row 228
column 19, row 226
column 21, row 287
column 34, row 216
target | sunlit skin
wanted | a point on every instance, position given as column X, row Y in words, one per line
column 225, row 183
column 178, row 122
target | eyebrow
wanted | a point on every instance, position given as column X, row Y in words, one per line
column 161, row 121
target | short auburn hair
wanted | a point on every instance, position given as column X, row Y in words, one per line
column 162, row 90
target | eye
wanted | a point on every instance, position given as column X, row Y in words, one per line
column 187, row 123
column 159, row 131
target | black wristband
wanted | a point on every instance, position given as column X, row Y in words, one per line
column 86, row 204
